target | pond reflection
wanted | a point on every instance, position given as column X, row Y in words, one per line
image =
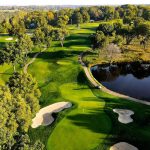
column 132, row 79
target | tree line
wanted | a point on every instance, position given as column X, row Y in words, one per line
column 119, row 33
column 83, row 14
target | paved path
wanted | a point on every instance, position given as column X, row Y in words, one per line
column 95, row 83
column 25, row 69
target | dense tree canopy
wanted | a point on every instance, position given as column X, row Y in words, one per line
column 77, row 18
column 19, row 104
column 15, row 117
column 106, row 28
column 99, row 40
column 27, row 87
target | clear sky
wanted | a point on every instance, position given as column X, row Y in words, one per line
column 71, row 2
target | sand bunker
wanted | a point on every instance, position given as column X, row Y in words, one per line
column 123, row 146
column 44, row 116
column 9, row 39
column 124, row 115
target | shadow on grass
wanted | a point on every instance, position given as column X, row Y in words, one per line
column 81, row 79
column 56, row 54
column 2, row 44
column 77, row 36
column 91, row 29
column 6, row 73
column 4, row 34
column 96, row 121
column 93, row 120
column 81, row 42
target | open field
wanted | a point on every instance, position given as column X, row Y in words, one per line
column 91, row 124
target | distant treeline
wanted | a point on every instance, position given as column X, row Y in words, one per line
column 86, row 13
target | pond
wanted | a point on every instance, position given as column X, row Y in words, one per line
column 132, row 79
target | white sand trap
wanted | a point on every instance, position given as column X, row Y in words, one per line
column 123, row 146
column 9, row 39
column 44, row 116
column 124, row 115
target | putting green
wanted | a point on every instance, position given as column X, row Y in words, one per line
column 85, row 126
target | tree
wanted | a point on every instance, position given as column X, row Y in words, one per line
column 16, row 53
column 143, row 31
column 118, row 40
column 137, row 21
column 15, row 117
column 12, row 54
column 117, row 26
column 48, row 41
column 99, row 40
column 38, row 37
column 112, row 51
column 116, row 14
column 95, row 13
column 77, row 18
column 46, row 29
column 128, row 32
column 146, row 13
column 24, row 143
column 41, row 21
column 18, row 106
column 8, row 125
column 106, row 28
column 5, row 25
column 50, row 16
column 85, row 15
column 62, row 21
column 121, row 11
column 17, row 26
column 61, row 35
column 2, row 29
column 127, row 20
column 27, row 87
column 130, row 10
column 38, row 146
column 25, row 45
column 109, row 12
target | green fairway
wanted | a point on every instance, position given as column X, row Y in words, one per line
column 61, row 79
column 90, row 124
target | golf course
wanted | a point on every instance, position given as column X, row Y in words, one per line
column 90, row 124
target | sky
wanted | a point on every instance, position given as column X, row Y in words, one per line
column 71, row 2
